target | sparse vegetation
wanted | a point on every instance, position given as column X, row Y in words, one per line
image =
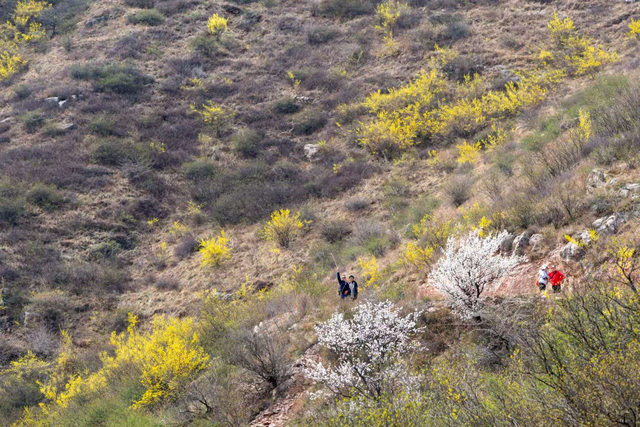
column 218, row 163
column 149, row 17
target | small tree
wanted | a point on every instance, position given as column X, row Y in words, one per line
column 217, row 25
column 214, row 115
column 214, row 250
column 283, row 227
column 468, row 267
column 368, row 349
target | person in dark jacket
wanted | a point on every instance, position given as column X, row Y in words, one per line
column 353, row 287
column 343, row 287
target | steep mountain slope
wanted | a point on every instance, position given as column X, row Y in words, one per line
column 130, row 132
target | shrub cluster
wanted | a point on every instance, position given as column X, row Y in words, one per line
column 111, row 77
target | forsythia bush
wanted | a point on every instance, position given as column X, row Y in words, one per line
column 572, row 52
column 283, row 227
column 387, row 14
column 431, row 108
column 416, row 256
column 10, row 60
column 214, row 250
column 167, row 357
column 24, row 28
column 370, row 270
column 419, row 111
column 432, row 235
column 469, row 153
column 214, row 115
column 217, row 25
column 634, row 29
column 581, row 134
column 162, row 360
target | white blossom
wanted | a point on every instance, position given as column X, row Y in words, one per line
column 367, row 349
column 468, row 267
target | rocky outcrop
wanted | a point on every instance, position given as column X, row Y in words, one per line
column 571, row 252
column 630, row 190
column 310, row 151
column 521, row 242
column 609, row 225
column 596, row 179
column 507, row 243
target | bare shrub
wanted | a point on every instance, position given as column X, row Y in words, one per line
column 357, row 204
column 42, row 341
column 265, row 354
column 458, row 189
column 49, row 310
column 336, row 230
column 215, row 396
column 167, row 284
column 186, row 246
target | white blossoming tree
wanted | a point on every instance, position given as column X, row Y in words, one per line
column 368, row 349
column 468, row 266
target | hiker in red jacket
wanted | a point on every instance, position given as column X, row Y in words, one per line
column 556, row 278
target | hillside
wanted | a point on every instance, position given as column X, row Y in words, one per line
column 181, row 179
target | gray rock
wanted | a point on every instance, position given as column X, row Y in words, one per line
column 609, row 225
column 52, row 100
column 629, row 190
column 521, row 242
column 61, row 103
column 305, row 99
column 66, row 126
column 507, row 243
column 310, row 151
column 97, row 20
column 571, row 252
column 535, row 240
column 596, row 179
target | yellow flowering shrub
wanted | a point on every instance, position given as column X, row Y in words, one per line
column 217, row 25
column 581, row 134
column 370, row 270
column 416, row 256
column 496, row 138
column 634, row 29
column 178, row 229
column 27, row 10
column 570, row 51
column 10, row 60
column 387, row 14
column 165, row 359
column 22, row 29
column 418, row 111
column 283, row 227
column 214, row 250
column 472, row 86
column 423, row 91
column 469, row 153
column 214, row 115
column 430, row 108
